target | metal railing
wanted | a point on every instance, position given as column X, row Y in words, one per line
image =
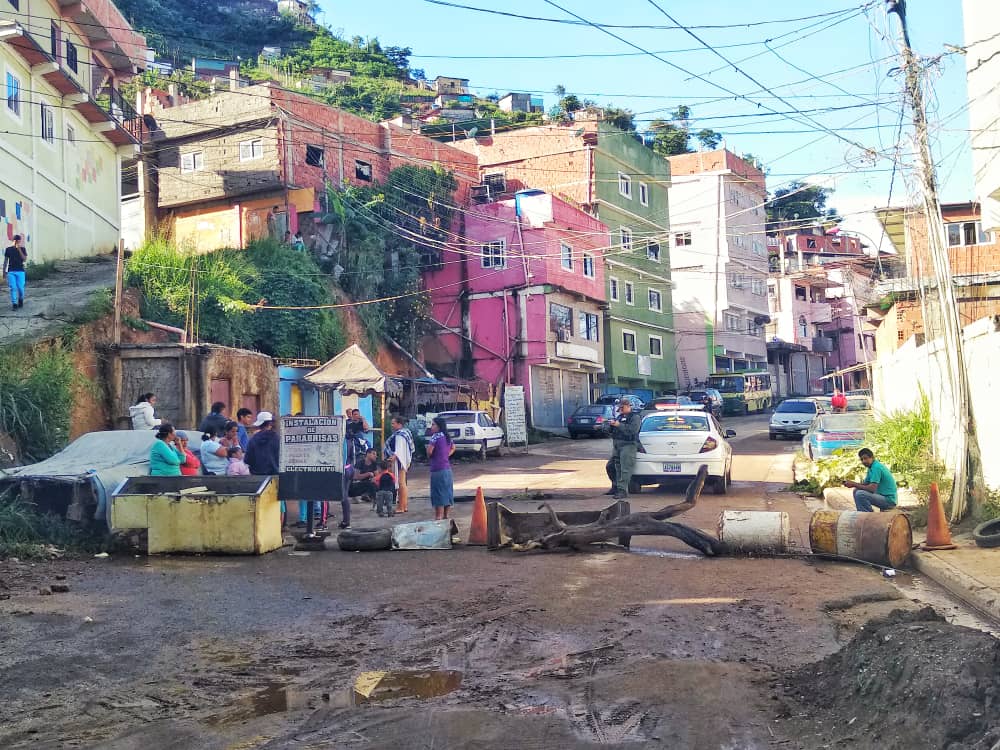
column 112, row 102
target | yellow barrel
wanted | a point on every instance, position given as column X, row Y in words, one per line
column 881, row 538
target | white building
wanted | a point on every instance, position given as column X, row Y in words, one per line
column 718, row 259
column 982, row 40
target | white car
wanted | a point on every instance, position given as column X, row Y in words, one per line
column 472, row 431
column 676, row 443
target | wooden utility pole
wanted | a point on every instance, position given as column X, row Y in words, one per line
column 119, row 277
column 968, row 465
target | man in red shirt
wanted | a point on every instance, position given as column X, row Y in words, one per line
column 839, row 401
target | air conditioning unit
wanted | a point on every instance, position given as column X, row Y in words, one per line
column 563, row 336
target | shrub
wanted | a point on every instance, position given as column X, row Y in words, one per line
column 26, row 534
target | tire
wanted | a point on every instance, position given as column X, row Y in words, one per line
column 573, row 436
column 746, row 410
column 482, row 451
column 364, row 540
column 987, row 534
column 772, row 436
column 720, row 485
column 634, row 488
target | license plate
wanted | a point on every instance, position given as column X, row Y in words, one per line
column 803, row 432
column 584, row 421
column 672, row 468
column 453, row 433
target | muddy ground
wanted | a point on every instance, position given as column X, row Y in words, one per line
column 654, row 647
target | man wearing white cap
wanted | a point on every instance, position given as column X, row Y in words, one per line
column 264, row 447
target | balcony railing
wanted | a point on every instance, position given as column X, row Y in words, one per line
column 112, row 102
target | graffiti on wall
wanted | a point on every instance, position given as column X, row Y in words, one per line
column 88, row 169
column 15, row 218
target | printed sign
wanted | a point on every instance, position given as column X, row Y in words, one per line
column 312, row 444
column 515, row 424
column 645, row 364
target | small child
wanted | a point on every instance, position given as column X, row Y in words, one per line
column 236, row 467
column 385, row 496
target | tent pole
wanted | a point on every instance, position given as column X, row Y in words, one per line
column 384, row 394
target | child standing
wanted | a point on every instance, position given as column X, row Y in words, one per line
column 237, row 466
column 385, row 493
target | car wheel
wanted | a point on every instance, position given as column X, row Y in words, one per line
column 746, row 409
column 811, row 456
column 720, row 486
column 634, row 487
column 772, row 436
column 482, row 451
column 364, row 540
column 573, row 435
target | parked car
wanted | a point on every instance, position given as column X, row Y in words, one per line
column 591, row 420
column 472, row 431
column 674, row 444
column 615, row 398
column 703, row 395
column 662, row 403
column 829, row 432
column 792, row 417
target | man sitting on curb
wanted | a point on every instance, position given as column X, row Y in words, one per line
column 878, row 488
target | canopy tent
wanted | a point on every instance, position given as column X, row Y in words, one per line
column 352, row 372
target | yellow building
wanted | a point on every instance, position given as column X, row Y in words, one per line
column 64, row 126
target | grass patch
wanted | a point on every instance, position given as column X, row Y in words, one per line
column 28, row 535
column 39, row 271
column 97, row 259
column 101, row 303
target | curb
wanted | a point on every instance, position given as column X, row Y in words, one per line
column 959, row 584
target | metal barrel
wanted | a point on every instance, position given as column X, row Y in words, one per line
column 754, row 531
column 880, row 538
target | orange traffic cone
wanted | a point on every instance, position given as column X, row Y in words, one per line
column 477, row 531
column 938, row 533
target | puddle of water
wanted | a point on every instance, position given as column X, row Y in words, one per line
column 370, row 687
column 953, row 610
column 665, row 553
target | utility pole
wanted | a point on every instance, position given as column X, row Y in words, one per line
column 968, row 465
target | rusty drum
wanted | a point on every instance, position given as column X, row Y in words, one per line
column 880, row 538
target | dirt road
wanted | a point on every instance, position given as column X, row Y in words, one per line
column 653, row 647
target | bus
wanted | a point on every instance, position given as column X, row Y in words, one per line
column 742, row 392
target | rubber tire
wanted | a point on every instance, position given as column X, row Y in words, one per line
column 987, row 534
column 634, row 488
column 720, row 486
column 573, row 436
column 482, row 452
column 364, row 540
column 772, row 436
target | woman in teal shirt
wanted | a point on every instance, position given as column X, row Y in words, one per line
column 165, row 457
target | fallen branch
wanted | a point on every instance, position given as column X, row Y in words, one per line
column 633, row 524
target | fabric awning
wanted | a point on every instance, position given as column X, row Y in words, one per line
column 351, row 372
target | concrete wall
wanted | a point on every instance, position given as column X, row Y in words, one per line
column 900, row 377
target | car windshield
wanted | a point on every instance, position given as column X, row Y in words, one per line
column 451, row 419
column 858, row 404
column 797, row 407
column 733, row 384
column 838, row 422
column 591, row 411
column 697, row 395
column 674, row 423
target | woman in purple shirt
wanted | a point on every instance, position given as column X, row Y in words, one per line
column 439, row 449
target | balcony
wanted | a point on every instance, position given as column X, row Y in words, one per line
column 822, row 344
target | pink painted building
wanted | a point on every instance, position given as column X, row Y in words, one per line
column 522, row 302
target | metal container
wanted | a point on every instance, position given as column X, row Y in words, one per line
column 880, row 538
column 754, row 531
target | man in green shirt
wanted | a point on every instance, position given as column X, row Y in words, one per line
column 878, row 489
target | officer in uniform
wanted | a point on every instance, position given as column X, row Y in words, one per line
column 624, row 434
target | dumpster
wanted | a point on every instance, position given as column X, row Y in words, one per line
column 209, row 514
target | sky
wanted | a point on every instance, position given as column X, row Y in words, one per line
column 816, row 99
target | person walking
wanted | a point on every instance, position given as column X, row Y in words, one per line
column 624, row 434
column 263, row 452
column 165, row 457
column 191, row 466
column 439, row 450
column 214, row 422
column 141, row 413
column 15, row 258
column 878, row 489
column 400, row 448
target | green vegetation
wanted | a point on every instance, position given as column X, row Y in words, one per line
column 228, row 283
column 39, row 271
column 672, row 137
column 36, row 397
column 28, row 535
column 797, row 204
column 101, row 303
column 902, row 441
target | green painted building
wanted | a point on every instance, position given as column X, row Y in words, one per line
column 613, row 176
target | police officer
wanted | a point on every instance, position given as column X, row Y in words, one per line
column 624, row 433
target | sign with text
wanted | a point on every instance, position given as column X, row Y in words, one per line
column 311, row 458
column 515, row 423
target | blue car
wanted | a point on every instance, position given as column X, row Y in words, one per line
column 830, row 432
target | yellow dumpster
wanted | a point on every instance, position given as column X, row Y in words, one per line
column 211, row 514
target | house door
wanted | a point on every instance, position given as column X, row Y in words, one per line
column 546, row 397
column 220, row 391
column 576, row 392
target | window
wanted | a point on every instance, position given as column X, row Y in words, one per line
column 48, row 123
column 811, row 243
column 54, row 34
column 629, row 293
column 803, row 327
column 13, row 94
column 757, row 287
column 682, row 239
column 613, row 289
column 655, row 300
column 71, row 135
column 588, row 265
column 314, row 156
column 653, row 251
column 968, row 233
column 626, row 236
column 656, row 347
column 566, row 256
column 800, row 293
column 758, row 248
column 736, row 280
column 561, row 321
column 193, row 162
column 733, row 322
column 72, row 57
column 628, row 341
column 589, row 324
column 250, row 150
column 495, row 254
column 625, row 185
column 362, row 170
column 644, row 193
